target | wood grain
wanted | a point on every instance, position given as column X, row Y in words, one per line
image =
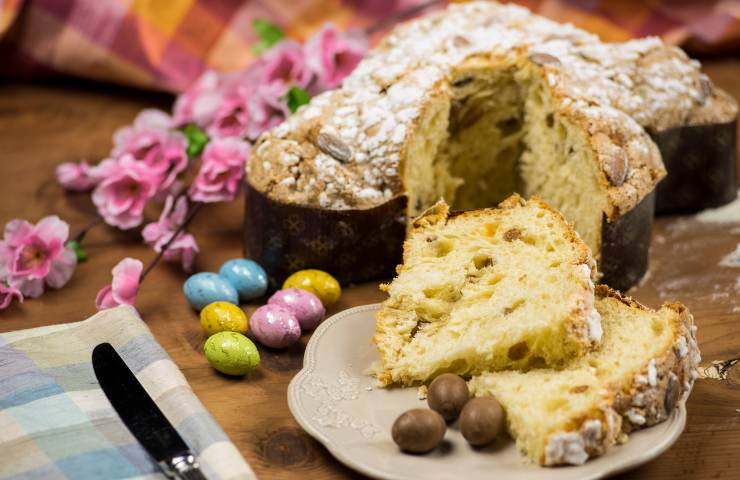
column 43, row 125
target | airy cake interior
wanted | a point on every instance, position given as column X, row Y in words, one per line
column 543, row 403
column 498, row 132
column 489, row 289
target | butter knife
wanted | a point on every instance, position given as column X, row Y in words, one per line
column 142, row 416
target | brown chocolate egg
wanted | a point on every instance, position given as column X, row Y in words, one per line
column 447, row 395
column 481, row 420
column 418, row 430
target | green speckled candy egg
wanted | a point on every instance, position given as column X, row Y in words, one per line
column 232, row 353
column 317, row 282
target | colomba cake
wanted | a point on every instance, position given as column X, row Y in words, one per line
column 472, row 104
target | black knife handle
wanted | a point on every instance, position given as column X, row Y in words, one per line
column 192, row 474
column 182, row 467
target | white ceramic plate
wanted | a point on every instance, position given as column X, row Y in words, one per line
column 333, row 400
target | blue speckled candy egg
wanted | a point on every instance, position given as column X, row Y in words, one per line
column 207, row 287
column 247, row 277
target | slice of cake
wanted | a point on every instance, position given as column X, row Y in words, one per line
column 506, row 287
column 643, row 365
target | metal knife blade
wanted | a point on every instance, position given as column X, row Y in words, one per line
column 142, row 416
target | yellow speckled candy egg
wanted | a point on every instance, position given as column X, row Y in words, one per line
column 232, row 353
column 317, row 282
column 223, row 317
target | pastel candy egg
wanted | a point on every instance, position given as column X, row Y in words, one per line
column 207, row 287
column 247, row 276
column 306, row 306
column 223, row 317
column 317, row 282
column 275, row 326
column 231, row 353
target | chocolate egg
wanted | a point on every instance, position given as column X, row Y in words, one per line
column 317, row 282
column 306, row 306
column 447, row 395
column 274, row 326
column 481, row 420
column 418, row 430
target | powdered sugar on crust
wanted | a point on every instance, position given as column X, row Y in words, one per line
column 652, row 373
column 566, row 448
column 654, row 393
column 623, row 87
column 593, row 318
column 573, row 448
column 595, row 332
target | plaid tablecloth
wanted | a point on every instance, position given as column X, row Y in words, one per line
column 55, row 422
column 167, row 44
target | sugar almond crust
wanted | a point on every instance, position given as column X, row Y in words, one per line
column 439, row 214
column 613, row 91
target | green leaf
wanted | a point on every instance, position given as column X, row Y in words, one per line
column 296, row 97
column 197, row 139
column 268, row 33
column 79, row 252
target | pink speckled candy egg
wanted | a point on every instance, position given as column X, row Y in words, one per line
column 306, row 306
column 274, row 326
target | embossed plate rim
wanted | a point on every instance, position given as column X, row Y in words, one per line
column 674, row 425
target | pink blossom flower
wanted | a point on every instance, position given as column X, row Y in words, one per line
column 31, row 255
column 77, row 177
column 126, row 187
column 221, row 172
column 147, row 119
column 157, row 234
column 199, row 103
column 7, row 294
column 122, row 291
column 151, row 141
column 267, row 108
column 332, row 55
column 284, row 65
column 231, row 119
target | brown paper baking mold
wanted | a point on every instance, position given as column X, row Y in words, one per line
column 701, row 164
column 352, row 245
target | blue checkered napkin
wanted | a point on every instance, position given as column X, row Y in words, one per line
column 55, row 422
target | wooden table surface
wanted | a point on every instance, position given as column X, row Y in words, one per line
column 43, row 125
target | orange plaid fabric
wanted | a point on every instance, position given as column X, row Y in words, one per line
column 168, row 44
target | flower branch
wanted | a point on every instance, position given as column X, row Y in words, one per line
column 165, row 248
column 212, row 127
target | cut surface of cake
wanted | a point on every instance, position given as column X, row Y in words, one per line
column 488, row 289
column 645, row 362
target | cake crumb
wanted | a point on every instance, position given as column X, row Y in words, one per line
column 421, row 393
